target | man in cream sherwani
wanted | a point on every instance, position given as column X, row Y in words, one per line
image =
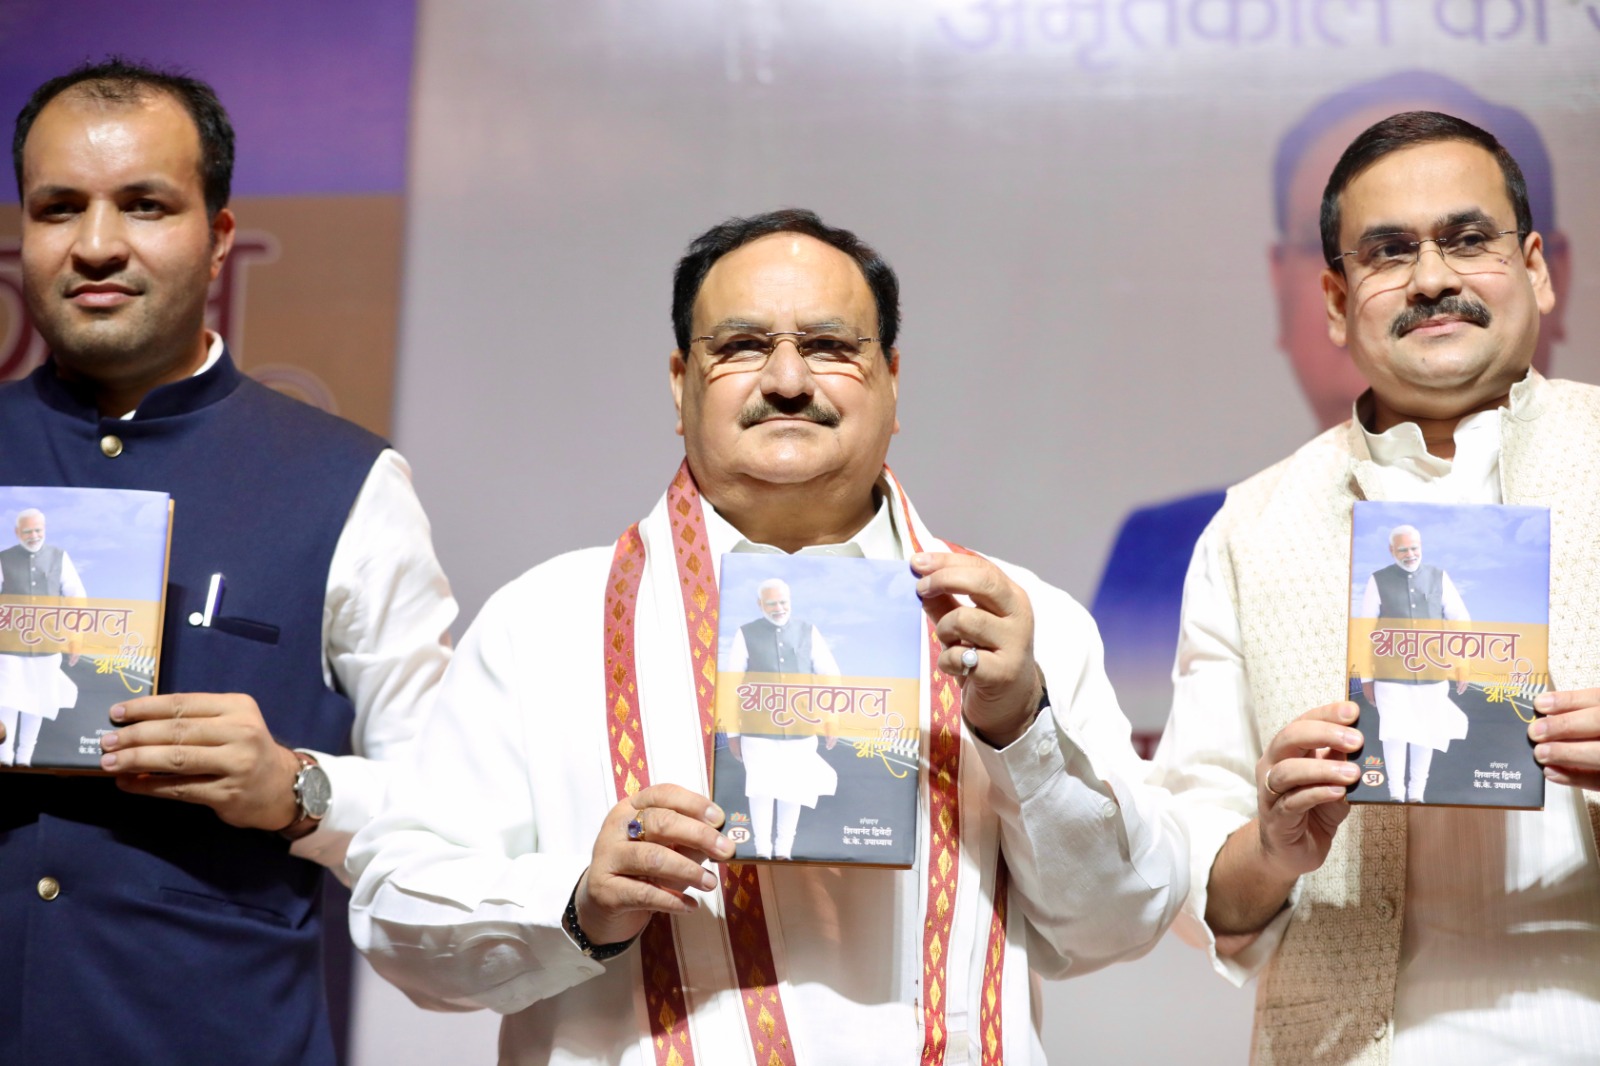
column 1398, row 934
column 554, row 856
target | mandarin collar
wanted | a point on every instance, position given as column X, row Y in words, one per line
column 209, row 386
column 1403, row 441
column 878, row 539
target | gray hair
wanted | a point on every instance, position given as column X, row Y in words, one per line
column 1399, row 531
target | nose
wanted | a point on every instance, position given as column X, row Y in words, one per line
column 1432, row 276
column 102, row 238
column 786, row 372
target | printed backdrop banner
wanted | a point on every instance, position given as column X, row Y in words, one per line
column 1103, row 216
column 318, row 94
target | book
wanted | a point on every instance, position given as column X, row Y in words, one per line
column 818, row 704
column 82, row 597
column 1449, row 645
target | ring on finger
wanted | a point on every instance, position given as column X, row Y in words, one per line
column 1267, row 783
column 969, row 660
column 636, row 827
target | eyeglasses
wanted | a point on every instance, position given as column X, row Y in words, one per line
column 824, row 350
column 1460, row 246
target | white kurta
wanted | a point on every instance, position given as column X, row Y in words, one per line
column 1501, row 951
column 462, row 882
column 1418, row 714
column 35, row 684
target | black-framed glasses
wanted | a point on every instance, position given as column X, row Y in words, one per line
column 1460, row 246
column 822, row 349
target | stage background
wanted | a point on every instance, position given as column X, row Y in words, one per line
column 1078, row 195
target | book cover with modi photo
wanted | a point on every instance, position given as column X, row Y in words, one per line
column 1449, row 645
column 83, row 579
column 817, row 708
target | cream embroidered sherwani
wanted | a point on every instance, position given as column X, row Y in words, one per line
column 1363, row 931
column 463, row 881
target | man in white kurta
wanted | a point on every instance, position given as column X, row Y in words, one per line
column 510, row 825
column 782, row 774
column 33, row 688
column 1415, row 718
column 1405, row 935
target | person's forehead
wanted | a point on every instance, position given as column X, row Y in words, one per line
column 79, row 140
column 1415, row 187
column 784, row 279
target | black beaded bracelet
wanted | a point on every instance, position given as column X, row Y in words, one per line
column 597, row 952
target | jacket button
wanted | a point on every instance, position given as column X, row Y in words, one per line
column 49, row 888
column 1385, row 909
column 111, row 445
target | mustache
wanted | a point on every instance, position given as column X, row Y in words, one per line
column 1462, row 307
column 804, row 407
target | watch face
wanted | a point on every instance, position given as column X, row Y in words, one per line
column 314, row 791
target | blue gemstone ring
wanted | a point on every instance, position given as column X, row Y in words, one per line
column 635, row 829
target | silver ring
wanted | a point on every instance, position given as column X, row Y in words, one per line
column 1267, row 784
column 969, row 660
column 636, row 829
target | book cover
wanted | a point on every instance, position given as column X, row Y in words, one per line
column 818, row 702
column 82, row 596
column 1449, row 645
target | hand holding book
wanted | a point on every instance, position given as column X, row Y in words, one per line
column 211, row 749
column 632, row 876
column 1301, row 780
column 1000, row 696
column 1566, row 736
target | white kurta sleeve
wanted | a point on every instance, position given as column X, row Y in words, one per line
column 386, row 643
column 822, row 660
column 72, row 584
column 452, row 900
column 1098, row 863
column 738, row 656
column 1450, row 600
column 1209, row 751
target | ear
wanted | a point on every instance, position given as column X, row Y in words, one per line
column 1336, row 295
column 677, row 368
column 1278, row 271
column 1533, row 261
column 1558, row 267
column 222, row 231
column 894, row 385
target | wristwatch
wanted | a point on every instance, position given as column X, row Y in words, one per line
column 313, row 795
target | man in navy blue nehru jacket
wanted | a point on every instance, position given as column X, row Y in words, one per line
column 169, row 912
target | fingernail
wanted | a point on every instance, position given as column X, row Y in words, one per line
column 714, row 814
column 724, row 847
column 1541, row 752
column 118, row 712
column 1538, row 729
column 920, row 560
column 1348, row 712
column 1349, row 771
column 108, row 762
column 708, row 881
column 1543, row 701
column 1352, row 739
column 922, row 587
column 108, row 741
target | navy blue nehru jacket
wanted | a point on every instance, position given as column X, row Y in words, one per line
column 176, row 938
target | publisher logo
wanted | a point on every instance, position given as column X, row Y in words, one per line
column 1372, row 778
column 739, row 834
